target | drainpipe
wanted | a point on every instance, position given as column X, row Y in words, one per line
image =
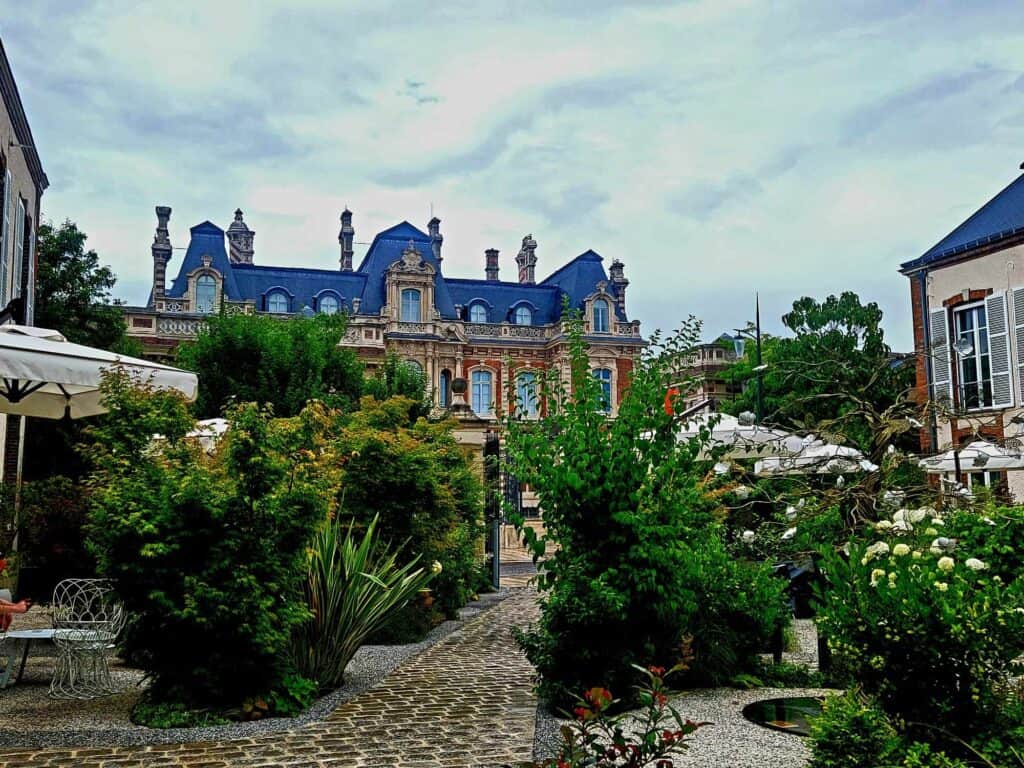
column 922, row 279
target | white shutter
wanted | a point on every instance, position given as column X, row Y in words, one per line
column 942, row 378
column 999, row 351
column 30, row 296
column 1018, row 332
column 19, row 248
column 5, row 239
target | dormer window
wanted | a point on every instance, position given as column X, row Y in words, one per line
column 600, row 316
column 411, row 306
column 277, row 302
column 206, row 294
column 523, row 316
column 478, row 313
column 328, row 305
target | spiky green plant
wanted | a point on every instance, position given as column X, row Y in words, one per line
column 355, row 585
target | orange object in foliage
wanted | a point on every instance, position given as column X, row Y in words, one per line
column 670, row 396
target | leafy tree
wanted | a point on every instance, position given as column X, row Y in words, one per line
column 835, row 375
column 283, row 362
column 397, row 378
column 639, row 573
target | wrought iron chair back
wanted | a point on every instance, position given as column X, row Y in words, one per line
column 87, row 618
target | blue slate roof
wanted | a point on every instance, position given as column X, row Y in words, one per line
column 579, row 278
column 501, row 299
column 1000, row 217
column 385, row 250
column 207, row 240
column 303, row 286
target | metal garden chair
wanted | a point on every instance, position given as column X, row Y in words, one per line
column 86, row 619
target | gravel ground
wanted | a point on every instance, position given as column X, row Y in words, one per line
column 30, row 718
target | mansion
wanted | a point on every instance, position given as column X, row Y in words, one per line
column 489, row 332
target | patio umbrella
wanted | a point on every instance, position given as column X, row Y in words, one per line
column 816, row 457
column 978, row 456
column 740, row 440
column 44, row 375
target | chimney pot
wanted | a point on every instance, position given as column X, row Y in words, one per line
column 346, row 237
column 491, row 264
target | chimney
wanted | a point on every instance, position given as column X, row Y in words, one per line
column 491, row 264
column 240, row 239
column 161, row 250
column 527, row 260
column 620, row 282
column 345, row 238
column 436, row 238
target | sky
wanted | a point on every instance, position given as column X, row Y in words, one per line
column 719, row 149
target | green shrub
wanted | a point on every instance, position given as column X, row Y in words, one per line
column 851, row 732
column 208, row 554
column 354, row 587
column 639, row 567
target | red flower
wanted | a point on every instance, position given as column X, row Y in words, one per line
column 581, row 713
column 657, row 671
column 661, row 698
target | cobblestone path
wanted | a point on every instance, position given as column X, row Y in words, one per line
column 463, row 702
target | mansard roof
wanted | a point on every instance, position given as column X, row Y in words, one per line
column 207, row 240
column 998, row 219
column 579, row 278
column 385, row 250
column 545, row 301
column 304, row 285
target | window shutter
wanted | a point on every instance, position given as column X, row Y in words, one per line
column 942, row 379
column 999, row 351
column 1018, row 328
column 30, row 295
column 5, row 239
column 19, row 248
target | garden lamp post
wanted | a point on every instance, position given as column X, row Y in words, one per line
column 739, row 343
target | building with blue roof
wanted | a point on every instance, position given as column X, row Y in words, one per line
column 489, row 332
column 967, row 300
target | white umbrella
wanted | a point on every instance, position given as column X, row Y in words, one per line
column 44, row 375
column 208, row 432
column 978, row 456
column 816, row 457
column 739, row 440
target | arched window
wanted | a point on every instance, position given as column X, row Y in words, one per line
column 481, row 391
column 277, row 301
column 523, row 316
column 410, row 305
column 527, row 399
column 478, row 313
column 445, row 393
column 600, row 316
column 604, row 377
column 328, row 304
column 414, row 365
column 206, row 294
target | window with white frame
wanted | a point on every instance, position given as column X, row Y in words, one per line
column 480, row 387
column 973, row 359
column 410, row 305
column 604, row 378
column 277, row 302
column 600, row 316
column 523, row 316
column 478, row 313
column 206, row 294
column 328, row 304
column 527, row 399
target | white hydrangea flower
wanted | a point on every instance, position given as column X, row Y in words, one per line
column 917, row 515
column 789, row 534
column 975, row 564
column 899, row 515
column 876, row 575
column 902, row 527
column 946, row 563
column 748, row 536
column 941, row 586
column 883, row 525
column 900, row 550
column 791, row 512
column 436, row 567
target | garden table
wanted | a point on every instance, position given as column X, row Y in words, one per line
column 26, row 637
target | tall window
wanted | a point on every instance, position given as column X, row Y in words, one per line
column 277, row 302
column 206, row 294
column 410, row 305
column 523, row 316
column 445, row 393
column 481, row 392
column 19, row 248
column 600, row 316
column 478, row 313
column 527, row 400
column 973, row 355
column 328, row 304
column 604, row 377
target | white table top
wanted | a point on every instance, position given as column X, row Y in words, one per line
column 29, row 634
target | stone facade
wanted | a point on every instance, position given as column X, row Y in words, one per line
column 486, row 331
column 22, row 182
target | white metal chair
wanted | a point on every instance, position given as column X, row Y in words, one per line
column 86, row 620
column 7, row 652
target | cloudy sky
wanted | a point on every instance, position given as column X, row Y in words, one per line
column 718, row 148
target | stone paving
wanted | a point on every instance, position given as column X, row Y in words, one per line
column 465, row 702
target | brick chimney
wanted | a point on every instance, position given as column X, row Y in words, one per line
column 345, row 238
column 436, row 238
column 161, row 250
column 620, row 282
column 527, row 260
column 240, row 239
column 491, row 264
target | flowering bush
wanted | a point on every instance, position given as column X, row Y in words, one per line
column 922, row 623
column 599, row 739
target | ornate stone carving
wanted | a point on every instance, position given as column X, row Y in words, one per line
column 483, row 329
